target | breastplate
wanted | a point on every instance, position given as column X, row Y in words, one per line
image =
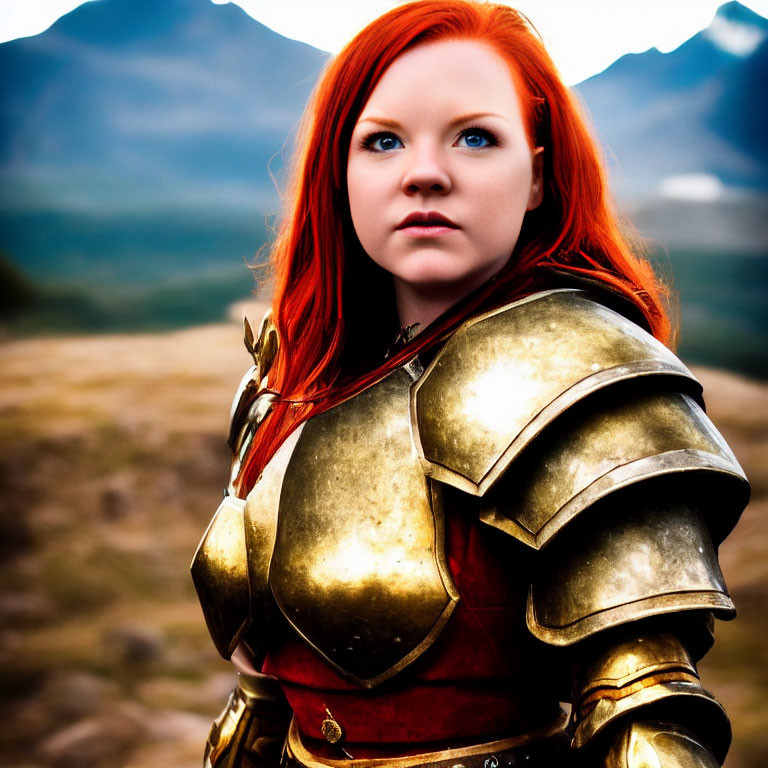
column 346, row 532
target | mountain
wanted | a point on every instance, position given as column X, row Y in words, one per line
column 135, row 104
column 139, row 105
column 137, row 139
column 699, row 109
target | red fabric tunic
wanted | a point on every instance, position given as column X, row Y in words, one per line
column 483, row 677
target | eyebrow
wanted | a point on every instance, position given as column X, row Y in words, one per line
column 387, row 123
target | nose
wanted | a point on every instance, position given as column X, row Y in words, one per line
column 426, row 172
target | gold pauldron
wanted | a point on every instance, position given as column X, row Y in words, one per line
column 597, row 405
column 647, row 676
column 645, row 554
column 252, row 726
column 549, row 351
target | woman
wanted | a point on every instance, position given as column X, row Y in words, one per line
column 433, row 536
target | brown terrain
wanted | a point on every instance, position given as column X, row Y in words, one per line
column 112, row 461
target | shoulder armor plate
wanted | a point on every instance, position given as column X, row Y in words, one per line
column 628, row 434
column 504, row 376
column 358, row 567
column 633, row 557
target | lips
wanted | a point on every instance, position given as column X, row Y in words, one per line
column 423, row 219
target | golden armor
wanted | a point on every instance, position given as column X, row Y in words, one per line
column 251, row 729
column 555, row 420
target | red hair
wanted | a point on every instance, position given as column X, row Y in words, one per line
column 334, row 308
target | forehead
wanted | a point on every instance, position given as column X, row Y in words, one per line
column 454, row 75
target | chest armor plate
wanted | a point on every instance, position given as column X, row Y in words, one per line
column 357, row 566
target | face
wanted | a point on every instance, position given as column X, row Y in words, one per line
column 440, row 171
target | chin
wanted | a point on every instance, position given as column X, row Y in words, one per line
column 432, row 272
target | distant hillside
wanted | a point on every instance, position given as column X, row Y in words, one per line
column 142, row 104
column 141, row 142
column 138, row 104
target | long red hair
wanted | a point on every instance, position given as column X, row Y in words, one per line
column 334, row 308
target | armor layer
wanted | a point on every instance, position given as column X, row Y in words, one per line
column 220, row 574
column 251, row 727
column 358, row 567
column 640, row 745
column 624, row 436
column 230, row 569
column 507, row 374
column 640, row 554
column 554, row 420
column 643, row 670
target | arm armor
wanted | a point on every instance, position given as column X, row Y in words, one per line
column 251, row 730
column 639, row 674
column 656, row 743
column 586, row 439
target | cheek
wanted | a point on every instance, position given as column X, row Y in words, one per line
column 366, row 207
column 501, row 200
column 365, row 183
column 361, row 200
column 513, row 182
column 354, row 190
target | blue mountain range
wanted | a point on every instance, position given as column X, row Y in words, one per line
column 143, row 144
column 700, row 109
column 140, row 104
column 135, row 104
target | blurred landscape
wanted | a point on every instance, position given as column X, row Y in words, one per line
column 142, row 147
column 112, row 461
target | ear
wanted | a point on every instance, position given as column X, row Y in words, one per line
column 537, row 182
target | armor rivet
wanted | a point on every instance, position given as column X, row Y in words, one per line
column 330, row 728
column 491, row 762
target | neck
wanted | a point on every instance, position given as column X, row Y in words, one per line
column 422, row 305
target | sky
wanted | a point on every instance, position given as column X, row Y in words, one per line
column 605, row 29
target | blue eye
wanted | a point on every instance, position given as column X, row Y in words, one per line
column 382, row 142
column 476, row 138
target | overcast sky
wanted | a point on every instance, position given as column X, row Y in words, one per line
column 583, row 36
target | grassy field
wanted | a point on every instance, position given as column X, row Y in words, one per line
column 112, row 460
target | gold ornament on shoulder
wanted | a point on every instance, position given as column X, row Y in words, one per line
column 253, row 400
column 262, row 348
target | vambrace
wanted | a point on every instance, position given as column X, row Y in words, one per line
column 640, row 699
column 250, row 732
